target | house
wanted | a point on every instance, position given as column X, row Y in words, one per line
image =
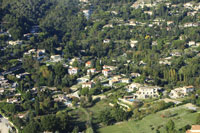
column 142, row 63
column 175, row 53
column 132, row 23
column 135, row 75
column 168, row 4
column 136, row 5
column 198, row 44
column 1, row 91
column 74, row 59
column 134, row 86
column 147, row 92
column 22, row 75
column 106, row 41
column 108, row 26
column 91, row 70
column 188, row 5
column 73, row 70
column 109, row 67
column 12, row 100
column 18, row 42
column 170, row 22
column 41, row 52
column 154, row 43
column 88, row 85
column 106, row 72
column 148, row 12
column 192, row 13
column 133, row 43
column 181, row 92
column 114, row 79
column 191, row 43
column 31, row 51
column 88, row 64
column 165, row 62
column 56, row 58
column 194, row 129
column 125, row 80
column 84, row 1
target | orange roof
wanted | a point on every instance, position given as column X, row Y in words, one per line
column 195, row 127
column 106, row 70
column 89, row 62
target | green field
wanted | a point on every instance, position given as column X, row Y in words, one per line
column 150, row 123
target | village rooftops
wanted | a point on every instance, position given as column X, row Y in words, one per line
column 88, row 64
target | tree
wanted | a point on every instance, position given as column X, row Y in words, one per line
column 119, row 114
column 32, row 127
column 170, row 127
column 37, row 107
column 106, row 117
column 85, row 91
column 50, row 123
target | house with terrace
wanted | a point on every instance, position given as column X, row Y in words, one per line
column 147, row 92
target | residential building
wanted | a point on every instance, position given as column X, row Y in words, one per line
column 109, row 67
column 133, row 43
column 18, row 42
column 106, row 72
column 113, row 80
column 148, row 12
column 135, row 75
column 88, row 85
column 134, row 86
column 91, row 70
column 56, row 58
column 147, row 92
column 73, row 70
column 12, row 100
column 108, row 26
column 106, row 41
column 125, row 80
column 181, row 92
column 22, row 75
column 191, row 43
column 88, row 64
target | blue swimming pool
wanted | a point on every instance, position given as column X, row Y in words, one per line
column 131, row 100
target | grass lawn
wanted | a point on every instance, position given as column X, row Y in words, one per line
column 150, row 123
column 99, row 106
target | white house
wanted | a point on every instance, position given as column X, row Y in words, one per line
column 181, row 92
column 73, row 70
column 106, row 41
column 133, row 43
column 88, row 85
column 56, row 58
column 191, row 43
column 149, row 12
column 91, row 70
column 18, row 42
column 109, row 67
column 106, row 72
column 134, row 85
column 147, row 92
column 125, row 80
